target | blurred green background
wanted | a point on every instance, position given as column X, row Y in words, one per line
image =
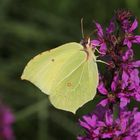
column 28, row 27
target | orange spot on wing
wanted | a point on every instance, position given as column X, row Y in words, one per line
column 69, row 84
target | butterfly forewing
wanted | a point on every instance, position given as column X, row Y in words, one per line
column 44, row 69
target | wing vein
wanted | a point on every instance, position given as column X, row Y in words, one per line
column 80, row 78
column 70, row 73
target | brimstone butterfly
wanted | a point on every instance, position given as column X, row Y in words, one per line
column 68, row 74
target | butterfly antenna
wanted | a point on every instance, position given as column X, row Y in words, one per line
column 82, row 29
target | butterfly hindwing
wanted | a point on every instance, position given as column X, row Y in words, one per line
column 77, row 89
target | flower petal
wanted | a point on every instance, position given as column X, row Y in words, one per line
column 89, row 120
column 136, row 94
column 109, row 118
column 107, row 135
column 95, row 42
column 136, row 63
column 137, row 117
column 124, row 101
column 129, row 138
column 102, row 89
column 125, row 78
column 127, row 42
column 103, row 48
column 115, row 82
column 128, row 54
column 103, row 102
column 134, row 78
column 84, row 124
column 136, row 39
column 133, row 26
column 99, row 29
column 111, row 27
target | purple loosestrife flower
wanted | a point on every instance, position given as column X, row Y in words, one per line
column 6, row 120
column 111, row 27
column 125, row 85
column 110, row 96
column 130, row 77
column 123, row 82
column 118, row 84
column 114, row 94
column 124, row 19
column 101, row 125
column 103, row 37
column 101, row 40
column 129, row 37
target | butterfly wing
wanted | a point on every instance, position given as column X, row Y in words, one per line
column 48, row 68
column 65, row 74
column 77, row 88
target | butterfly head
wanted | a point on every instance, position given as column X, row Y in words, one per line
column 85, row 42
column 88, row 48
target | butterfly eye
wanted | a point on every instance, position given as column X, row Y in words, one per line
column 84, row 42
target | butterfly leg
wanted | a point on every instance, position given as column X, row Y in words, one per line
column 98, row 51
column 102, row 62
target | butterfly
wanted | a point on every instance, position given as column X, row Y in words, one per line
column 68, row 74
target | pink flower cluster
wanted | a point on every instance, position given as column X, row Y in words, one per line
column 119, row 84
column 6, row 120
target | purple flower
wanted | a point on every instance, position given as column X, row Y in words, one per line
column 128, row 55
column 100, row 41
column 111, row 94
column 130, row 80
column 118, row 83
column 125, row 80
column 123, row 19
column 6, row 120
column 122, row 15
column 128, row 26
column 129, row 37
column 104, row 38
column 111, row 27
column 125, row 127
column 114, row 93
column 121, row 92
column 130, row 74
